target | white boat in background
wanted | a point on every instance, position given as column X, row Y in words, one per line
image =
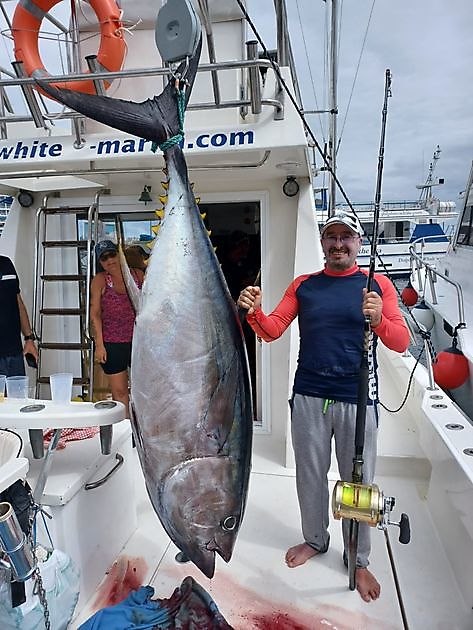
column 5, row 203
column 75, row 180
column 446, row 292
column 428, row 223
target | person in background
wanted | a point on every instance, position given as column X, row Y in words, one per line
column 136, row 257
column 331, row 306
column 14, row 321
column 113, row 319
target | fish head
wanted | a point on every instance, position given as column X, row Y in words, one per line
column 202, row 509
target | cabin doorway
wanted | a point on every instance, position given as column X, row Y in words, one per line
column 235, row 233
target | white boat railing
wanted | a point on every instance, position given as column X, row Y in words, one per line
column 429, row 275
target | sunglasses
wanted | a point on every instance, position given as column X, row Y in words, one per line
column 345, row 239
column 107, row 255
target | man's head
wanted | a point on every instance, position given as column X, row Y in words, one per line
column 341, row 240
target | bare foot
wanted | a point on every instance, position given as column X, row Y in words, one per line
column 367, row 585
column 299, row 554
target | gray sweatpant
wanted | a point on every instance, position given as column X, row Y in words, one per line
column 312, row 432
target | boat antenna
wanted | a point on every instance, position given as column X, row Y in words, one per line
column 426, row 189
column 364, row 373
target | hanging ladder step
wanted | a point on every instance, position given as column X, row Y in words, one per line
column 80, row 244
column 77, row 380
column 66, row 277
column 62, row 311
column 64, row 346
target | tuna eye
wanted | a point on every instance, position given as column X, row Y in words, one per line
column 228, row 524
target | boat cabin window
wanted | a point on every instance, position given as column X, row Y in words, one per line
column 465, row 233
column 368, row 233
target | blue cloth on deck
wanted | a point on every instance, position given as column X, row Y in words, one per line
column 136, row 612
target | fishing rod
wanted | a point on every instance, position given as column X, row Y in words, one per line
column 357, row 501
column 363, row 382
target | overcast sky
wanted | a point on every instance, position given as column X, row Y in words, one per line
column 428, row 46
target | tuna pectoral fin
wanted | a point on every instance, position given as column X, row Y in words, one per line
column 155, row 119
column 202, row 509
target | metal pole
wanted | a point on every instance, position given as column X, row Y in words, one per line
column 281, row 27
column 254, row 78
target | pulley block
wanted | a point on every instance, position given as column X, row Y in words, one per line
column 177, row 31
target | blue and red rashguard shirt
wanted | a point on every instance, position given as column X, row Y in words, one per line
column 331, row 323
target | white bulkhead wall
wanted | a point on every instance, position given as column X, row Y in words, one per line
column 140, row 17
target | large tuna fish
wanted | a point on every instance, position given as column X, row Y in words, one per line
column 190, row 388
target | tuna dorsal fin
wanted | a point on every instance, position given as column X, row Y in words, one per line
column 155, row 119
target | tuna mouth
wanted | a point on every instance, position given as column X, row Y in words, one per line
column 224, row 551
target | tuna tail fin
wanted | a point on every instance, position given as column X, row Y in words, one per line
column 155, row 119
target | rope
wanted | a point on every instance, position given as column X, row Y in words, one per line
column 181, row 108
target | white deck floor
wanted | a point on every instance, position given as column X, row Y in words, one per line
column 257, row 590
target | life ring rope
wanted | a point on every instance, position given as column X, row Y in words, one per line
column 26, row 24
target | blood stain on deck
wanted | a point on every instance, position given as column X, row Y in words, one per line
column 125, row 575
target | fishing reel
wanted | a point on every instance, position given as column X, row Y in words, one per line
column 368, row 504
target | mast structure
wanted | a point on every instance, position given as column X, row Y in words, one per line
column 426, row 189
column 333, row 111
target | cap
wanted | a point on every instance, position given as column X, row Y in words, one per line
column 105, row 246
column 350, row 220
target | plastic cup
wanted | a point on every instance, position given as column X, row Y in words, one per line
column 61, row 387
column 3, row 379
column 17, row 387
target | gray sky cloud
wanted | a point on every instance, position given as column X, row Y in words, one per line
column 428, row 47
column 427, row 44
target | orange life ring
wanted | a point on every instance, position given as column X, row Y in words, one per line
column 25, row 28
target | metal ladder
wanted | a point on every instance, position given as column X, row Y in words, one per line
column 54, row 280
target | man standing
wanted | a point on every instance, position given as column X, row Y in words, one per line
column 331, row 306
column 14, row 320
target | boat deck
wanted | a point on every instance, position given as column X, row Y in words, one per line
column 257, row 590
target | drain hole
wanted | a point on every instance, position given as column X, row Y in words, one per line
column 454, row 427
column 439, row 406
column 436, row 397
column 468, row 451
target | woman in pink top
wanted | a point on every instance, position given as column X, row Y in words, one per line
column 113, row 318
